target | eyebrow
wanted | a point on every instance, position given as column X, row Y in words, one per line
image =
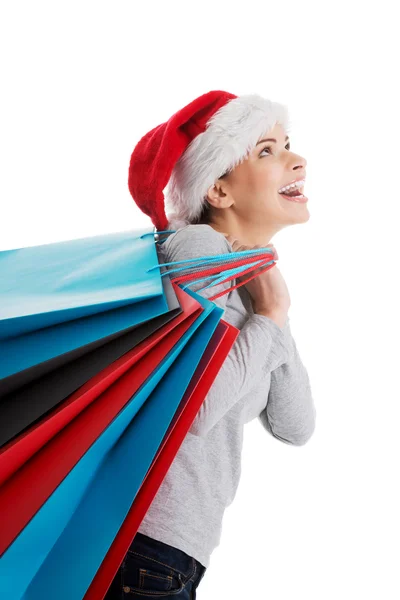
column 271, row 140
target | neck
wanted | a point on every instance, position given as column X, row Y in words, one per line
column 249, row 233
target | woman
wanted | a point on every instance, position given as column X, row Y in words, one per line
column 225, row 160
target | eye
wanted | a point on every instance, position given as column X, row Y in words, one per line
column 269, row 148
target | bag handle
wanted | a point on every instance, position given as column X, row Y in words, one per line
column 155, row 232
column 242, row 267
column 222, row 268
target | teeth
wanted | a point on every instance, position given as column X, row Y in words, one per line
column 297, row 184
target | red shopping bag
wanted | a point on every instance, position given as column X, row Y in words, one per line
column 202, row 380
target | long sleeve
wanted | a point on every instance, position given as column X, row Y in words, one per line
column 259, row 348
column 290, row 414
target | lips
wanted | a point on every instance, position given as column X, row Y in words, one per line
column 298, row 199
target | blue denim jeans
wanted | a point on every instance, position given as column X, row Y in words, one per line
column 153, row 569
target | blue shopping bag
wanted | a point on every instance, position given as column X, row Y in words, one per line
column 34, row 349
column 91, row 501
column 44, row 285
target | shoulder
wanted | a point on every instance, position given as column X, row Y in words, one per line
column 194, row 241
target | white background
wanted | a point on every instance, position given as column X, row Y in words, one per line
column 83, row 81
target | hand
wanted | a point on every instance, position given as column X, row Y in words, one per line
column 268, row 291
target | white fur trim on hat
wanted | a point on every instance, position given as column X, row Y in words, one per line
column 231, row 133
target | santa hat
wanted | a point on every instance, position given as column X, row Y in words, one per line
column 194, row 148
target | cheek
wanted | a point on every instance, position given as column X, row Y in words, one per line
column 266, row 188
column 257, row 184
column 266, row 179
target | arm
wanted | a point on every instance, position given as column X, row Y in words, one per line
column 290, row 414
column 259, row 348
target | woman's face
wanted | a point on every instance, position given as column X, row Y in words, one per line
column 251, row 189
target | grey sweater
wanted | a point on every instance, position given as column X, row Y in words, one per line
column 262, row 376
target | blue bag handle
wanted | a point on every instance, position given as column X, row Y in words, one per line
column 204, row 261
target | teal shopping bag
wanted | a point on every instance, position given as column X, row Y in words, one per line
column 34, row 350
column 44, row 285
column 93, row 490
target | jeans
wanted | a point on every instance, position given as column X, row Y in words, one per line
column 153, row 569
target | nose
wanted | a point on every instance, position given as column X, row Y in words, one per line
column 301, row 164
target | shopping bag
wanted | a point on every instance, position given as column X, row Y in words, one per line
column 69, row 516
column 45, row 285
column 30, row 353
column 212, row 361
column 84, row 418
column 26, row 405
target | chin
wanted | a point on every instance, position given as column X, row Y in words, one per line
column 295, row 213
column 284, row 217
column 305, row 215
column 298, row 219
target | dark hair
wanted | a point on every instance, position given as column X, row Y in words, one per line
column 204, row 218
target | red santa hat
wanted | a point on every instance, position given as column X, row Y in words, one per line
column 186, row 155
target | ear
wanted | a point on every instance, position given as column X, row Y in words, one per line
column 218, row 195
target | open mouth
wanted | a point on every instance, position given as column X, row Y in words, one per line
column 294, row 192
column 295, row 195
